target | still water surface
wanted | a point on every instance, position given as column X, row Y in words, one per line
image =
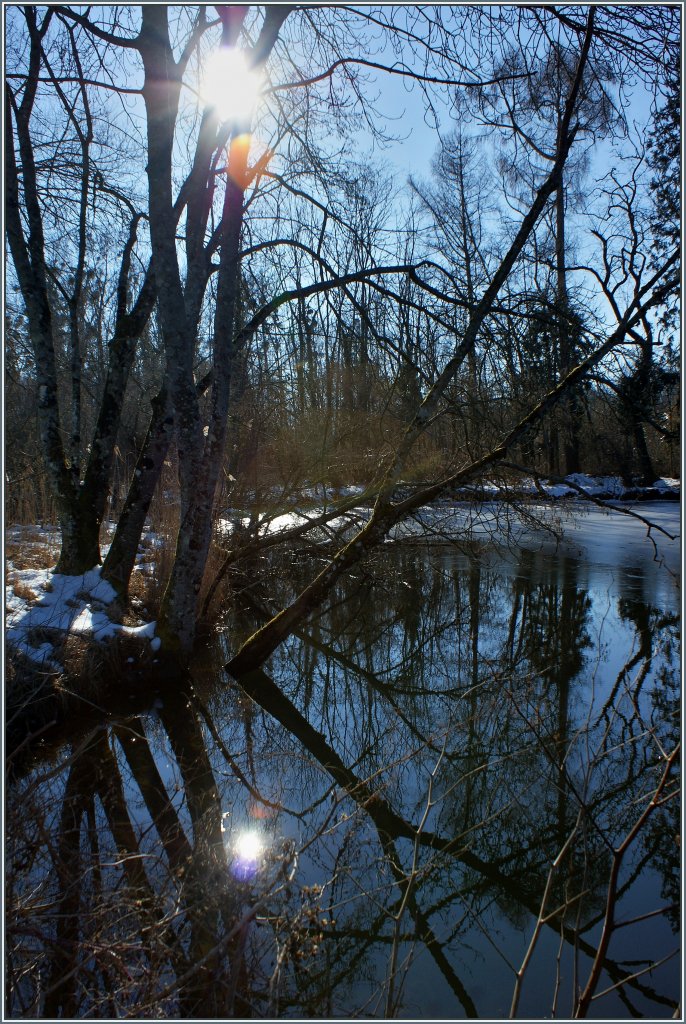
column 449, row 753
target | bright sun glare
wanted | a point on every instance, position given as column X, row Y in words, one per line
column 229, row 85
column 248, row 846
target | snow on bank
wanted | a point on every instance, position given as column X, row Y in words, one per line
column 43, row 607
column 609, row 486
column 437, row 517
column 606, row 487
column 572, row 486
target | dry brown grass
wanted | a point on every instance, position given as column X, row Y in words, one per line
column 31, row 554
column 90, row 663
column 21, row 590
column 140, row 600
column 29, row 499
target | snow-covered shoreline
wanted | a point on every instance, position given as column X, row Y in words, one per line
column 42, row 607
column 575, row 485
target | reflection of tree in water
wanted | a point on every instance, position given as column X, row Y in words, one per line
column 422, row 763
column 549, row 621
column 129, row 918
column 663, row 839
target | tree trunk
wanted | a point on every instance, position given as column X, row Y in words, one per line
column 646, row 470
column 199, row 481
column 634, row 396
column 81, row 501
column 570, row 411
column 200, row 448
column 121, row 557
column 80, row 550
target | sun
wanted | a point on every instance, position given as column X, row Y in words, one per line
column 229, row 85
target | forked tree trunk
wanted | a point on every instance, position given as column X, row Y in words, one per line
column 200, row 448
column 180, row 604
column 121, row 556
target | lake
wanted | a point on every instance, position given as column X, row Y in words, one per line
column 421, row 808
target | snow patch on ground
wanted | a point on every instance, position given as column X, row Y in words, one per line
column 611, row 485
column 351, row 491
column 667, row 483
column 43, row 606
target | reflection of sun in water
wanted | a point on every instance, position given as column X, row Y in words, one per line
column 229, row 85
column 248, row 846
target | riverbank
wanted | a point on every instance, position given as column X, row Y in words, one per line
column 575, row 485
column 43, row 608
